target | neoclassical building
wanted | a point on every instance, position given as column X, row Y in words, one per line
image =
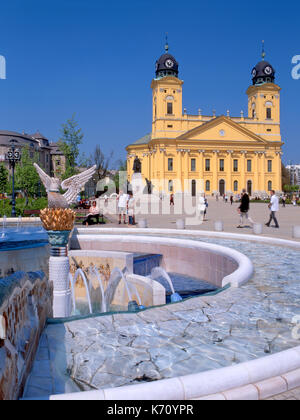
column 50, row 158
column 201, row 153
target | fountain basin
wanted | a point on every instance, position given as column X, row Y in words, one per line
column 215, row 264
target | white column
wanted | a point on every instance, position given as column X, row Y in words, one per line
column 59, row 270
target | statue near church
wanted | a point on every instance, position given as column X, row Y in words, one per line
column 137, row 166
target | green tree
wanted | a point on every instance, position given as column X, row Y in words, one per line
column 26, row 177
column 285, row 174
column 69, row 142
column 3, row 179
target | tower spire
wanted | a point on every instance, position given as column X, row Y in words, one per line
column 167, row 43
column 263, row 53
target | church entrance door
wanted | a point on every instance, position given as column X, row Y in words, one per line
column 222, row 187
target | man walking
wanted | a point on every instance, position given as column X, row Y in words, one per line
column 244, row 209
column 274, row 207
column 122, row 206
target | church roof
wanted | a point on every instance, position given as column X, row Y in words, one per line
column 143, row 140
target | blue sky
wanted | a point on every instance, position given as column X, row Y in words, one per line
column 96, row 59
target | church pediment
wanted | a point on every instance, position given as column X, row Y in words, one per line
column 222, row 129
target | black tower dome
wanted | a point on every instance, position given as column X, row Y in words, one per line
column 263, row 72
column 166, row 65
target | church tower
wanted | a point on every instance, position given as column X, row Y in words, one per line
column 166, row 96
column 264, row 97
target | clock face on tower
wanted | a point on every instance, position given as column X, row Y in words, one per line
column 268, row 70
column 169, row 63
column 254, row 72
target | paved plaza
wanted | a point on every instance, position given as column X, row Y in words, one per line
column 288, row 217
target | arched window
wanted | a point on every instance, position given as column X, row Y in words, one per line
column 194, row 189
column 207, row 186
column 249, row 187
column 222, row 187
column 235, row 186
column 269, row 185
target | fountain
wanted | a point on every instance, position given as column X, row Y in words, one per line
column 106, row 295
column 4, row 223
column 115, row 277
column 93, row 271
column 73, row 280
column 157, row 272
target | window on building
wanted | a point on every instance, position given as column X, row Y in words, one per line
column 235, row 186
column 207, row 165
column 170, row 164
column 221, row 165
column 235, row 165
column 170, row 185
column 269, row 166
column 170, row 126
column 249, row 165
column 193, row 165
column 269, row 113
column 169, row 108
column 269, row 185
column 207, row 186
column 58, row 162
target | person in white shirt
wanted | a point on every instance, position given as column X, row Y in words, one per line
column 122, row 206
column 131, row 206
column 274, row 207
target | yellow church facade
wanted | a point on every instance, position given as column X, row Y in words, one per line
column 211, row 154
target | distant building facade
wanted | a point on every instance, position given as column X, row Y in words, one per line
column 50, row 158
column 294, row 171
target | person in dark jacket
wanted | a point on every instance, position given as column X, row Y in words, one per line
column 244, row 209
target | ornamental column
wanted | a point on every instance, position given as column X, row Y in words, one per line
column 201, row 169
column 163, row 175
column 243, row 169
column 215, row 188
column 179, row 169
column 229, row 172
column 263, row 172
column 256, row 173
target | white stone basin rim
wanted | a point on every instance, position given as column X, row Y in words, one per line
column 196, row 233
column 237, row 278
column 257, row 379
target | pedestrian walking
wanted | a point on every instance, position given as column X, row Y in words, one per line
column 122, row 206
column 231, row 199
column 274, row 207
column 172, row 200
column 131, row 207
column 283, row 200
column 244, row 209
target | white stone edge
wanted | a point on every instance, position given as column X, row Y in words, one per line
column 236, row 279
column 185, row 232
column 255, row 380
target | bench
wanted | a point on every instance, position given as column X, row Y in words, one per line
column 31, row 213
column 81, row 214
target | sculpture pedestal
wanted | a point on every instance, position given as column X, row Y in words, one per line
column 59, row 269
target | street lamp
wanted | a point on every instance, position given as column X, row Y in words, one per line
column 13, row 156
